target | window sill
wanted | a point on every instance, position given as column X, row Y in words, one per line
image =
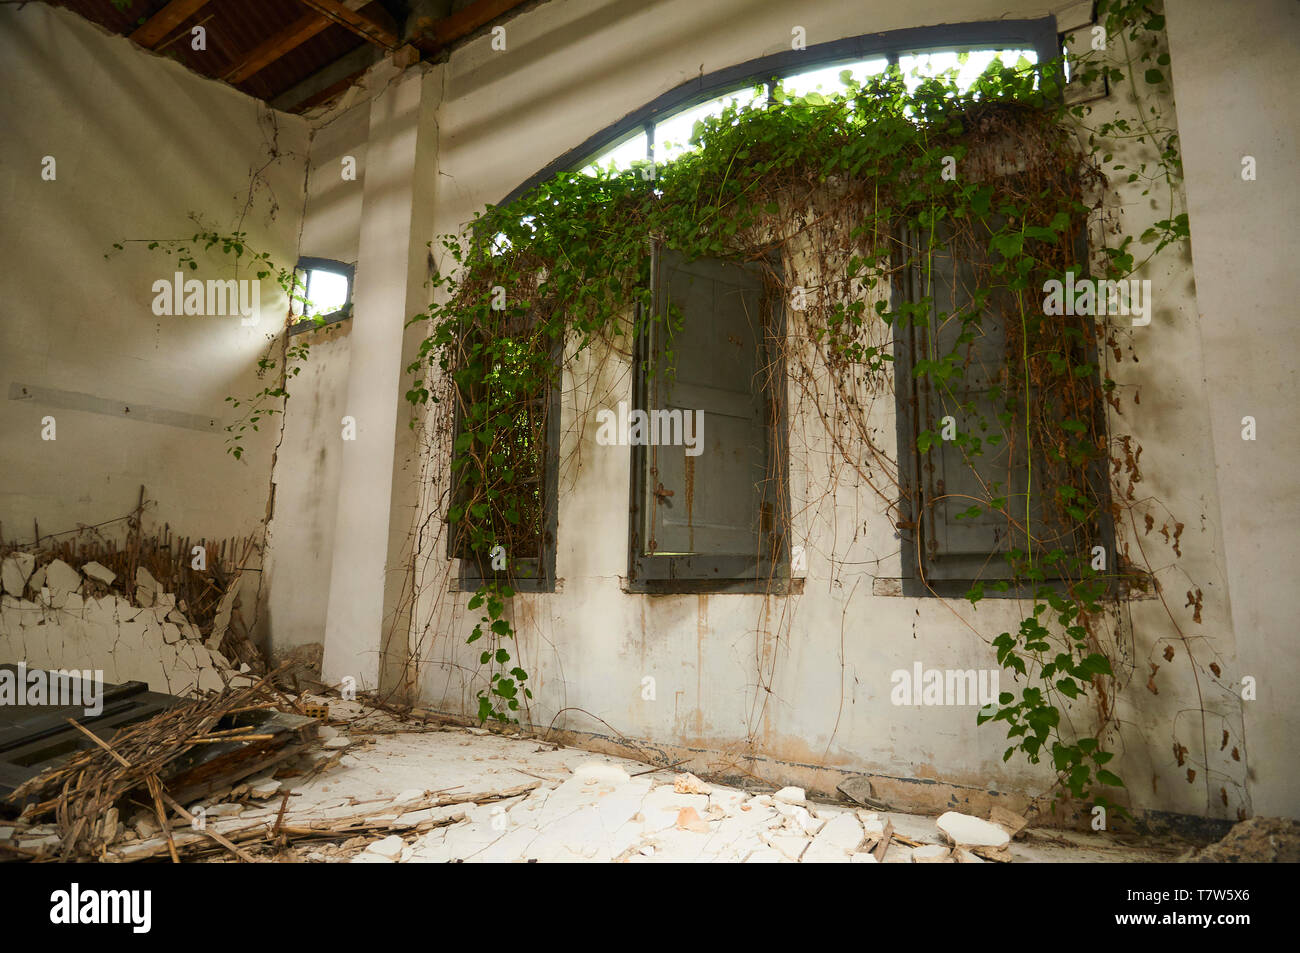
column 913, row 588
column 681, row 587
column 309, row 324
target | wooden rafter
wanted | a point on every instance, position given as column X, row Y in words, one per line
column 294, row 35
column 151, row 33
column 371, row 23
column 462, row 23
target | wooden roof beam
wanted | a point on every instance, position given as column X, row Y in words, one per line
column 371, row 22
column 152, row 32
column 440, row 33
column 262, row 56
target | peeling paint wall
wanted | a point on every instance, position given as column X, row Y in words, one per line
column 1246, row 289
column 806, row 679
column 300, row 534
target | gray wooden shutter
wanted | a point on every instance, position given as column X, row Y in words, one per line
column 710, row 504
column 955, row 479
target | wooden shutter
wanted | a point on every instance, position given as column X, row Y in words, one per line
column 953, row 478
column 713, row 503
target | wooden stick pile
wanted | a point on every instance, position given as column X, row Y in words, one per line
column 80, row 791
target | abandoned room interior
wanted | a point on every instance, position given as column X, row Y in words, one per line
column 648, row 431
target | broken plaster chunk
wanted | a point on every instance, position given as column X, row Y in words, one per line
column 59, row 575
column 16, row 570
column 598, row 772
column 688, row 819
column 791, row 796
column 99, row 572
column 688, row 783
column 146, row 587
column 863, row 858
column 799, row 818
column 225, row 809
column 791, row 846
column 370, row 857
column 872, row 823
column 337, row 742
column 390, row 847
column 728, row 801
column 62, row 580
column 836, row 841
column 967, row 831
column 931, row 854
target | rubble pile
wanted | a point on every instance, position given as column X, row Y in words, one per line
column 55, row 617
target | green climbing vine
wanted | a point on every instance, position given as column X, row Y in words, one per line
column 848, row 189
column 268, row 401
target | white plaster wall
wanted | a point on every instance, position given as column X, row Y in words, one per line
column 807, row 679
column 140, row 143
column 331, row 225
column 1235, row 84
column 300, row 534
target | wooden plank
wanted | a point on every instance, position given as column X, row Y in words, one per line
column 879, row 850
column 371, row 22
column 343, row 69
column 291, row 37
column 151, row 33
column 463, row 22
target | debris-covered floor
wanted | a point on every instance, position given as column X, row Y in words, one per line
column 376, row 790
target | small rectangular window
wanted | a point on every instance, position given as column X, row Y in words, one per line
column 709, row 500
column 324, row 293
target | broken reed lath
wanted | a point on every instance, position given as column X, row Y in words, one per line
column 80, row 791
column 169, row 559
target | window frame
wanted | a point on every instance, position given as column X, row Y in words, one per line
column 911, row 480
column 309, row 264
column 539, row 570
column 1040, row 35
column 673, row 574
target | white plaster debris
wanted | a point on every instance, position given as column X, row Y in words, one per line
column 689, row 784
column 791, row 796
column 836, row 842
column 931, row 854
column 49, row 622
column 15, row 571
column 390, row 847
column 94, row 570
column 263, row 789
column 966, row 831
column 516, row 801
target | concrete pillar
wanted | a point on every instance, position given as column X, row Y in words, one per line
column 1246, row 290
column 376, row 497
